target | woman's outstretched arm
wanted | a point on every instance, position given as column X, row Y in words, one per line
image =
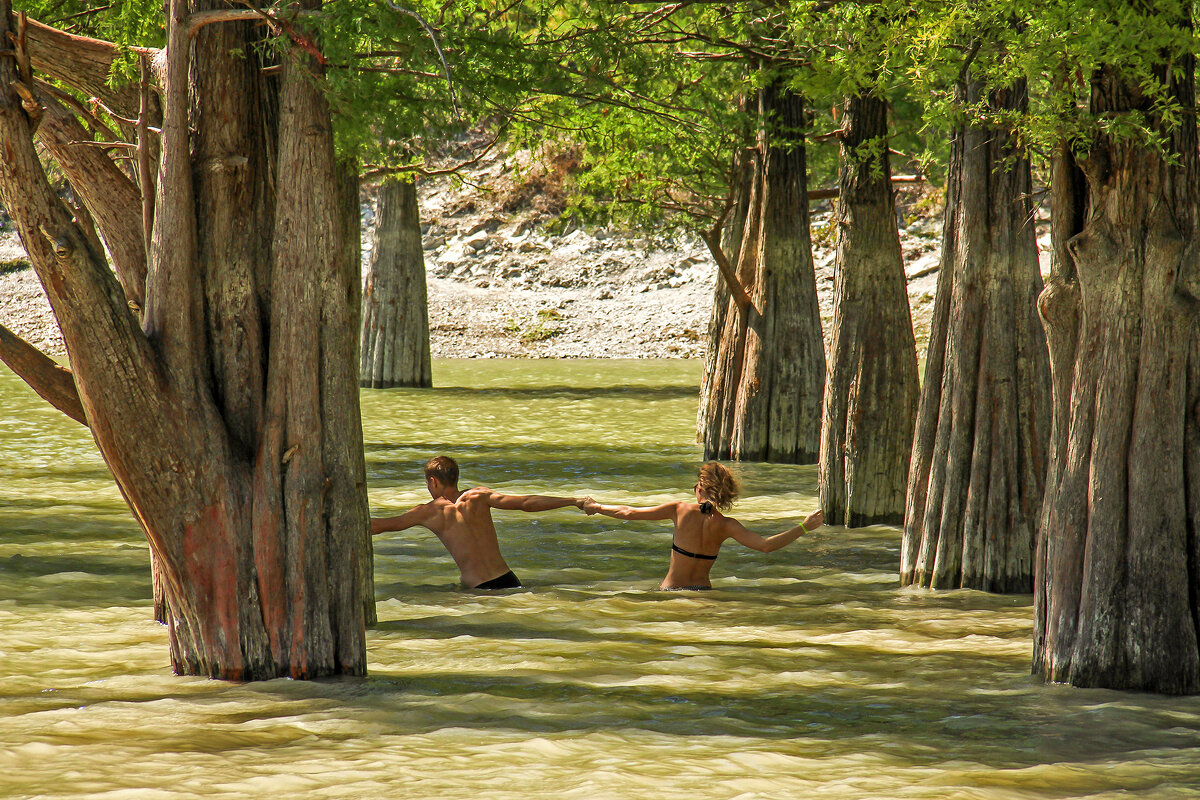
column 769, row 544
column 665, row 511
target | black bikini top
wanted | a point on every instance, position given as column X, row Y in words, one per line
column 706, row 508
column 689, row 554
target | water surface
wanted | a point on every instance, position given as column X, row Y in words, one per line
column 806, row 673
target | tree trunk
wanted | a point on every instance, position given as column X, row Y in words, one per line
column 395, row 331
column 229, row 417
column 979, row 453
column 353, row 494
column 723, row 304
column 871, row 388
column 764, row 393
column 1117, row 587
column 732, row 230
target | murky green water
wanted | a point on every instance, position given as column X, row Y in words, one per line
column 807, row 673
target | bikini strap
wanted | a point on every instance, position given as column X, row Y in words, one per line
column 683, row 552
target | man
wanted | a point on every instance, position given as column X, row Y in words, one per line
column 462, row 521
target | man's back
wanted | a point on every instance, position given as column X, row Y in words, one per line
column 466, row 529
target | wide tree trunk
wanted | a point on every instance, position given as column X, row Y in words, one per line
column 229, row 416
column 979, row 452
column 1118, row 585
column 763, row 397
column 871, row 387
column 395, row 331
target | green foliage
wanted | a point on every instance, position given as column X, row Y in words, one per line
column 645, row 96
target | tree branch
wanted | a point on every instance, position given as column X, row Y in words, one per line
column 82, row 63
column 53, row 383
column 825, row 194
column 108, row 194
column 712, row 238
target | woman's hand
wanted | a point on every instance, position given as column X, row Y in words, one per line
column 590, row 506
column 814, row 520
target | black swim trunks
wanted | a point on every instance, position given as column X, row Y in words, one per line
column 506, row 581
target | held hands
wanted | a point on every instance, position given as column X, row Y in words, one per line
column 590, row 506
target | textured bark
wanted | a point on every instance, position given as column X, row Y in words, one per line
column 350, row 503
column 979, row 452
column 730, row 244
column 83, row 63
column 395, row 331
column 234, row 115
column 1117, row 598
column 256, row 516
column 871, row 387
column 109, row 195
column 764, row 394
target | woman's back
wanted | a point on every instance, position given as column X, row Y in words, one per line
column 697, row 539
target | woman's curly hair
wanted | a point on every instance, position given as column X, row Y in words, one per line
column 718, row 485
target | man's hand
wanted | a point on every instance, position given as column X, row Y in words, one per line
column 814, row 520
column 582, row 502
column 590, row 506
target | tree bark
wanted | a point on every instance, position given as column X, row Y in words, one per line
column 353, row 495
column 83, row 63
column 395, row 331
column 109, row 195
column 979, row 452
column 242, row 462
column 1117, row 594
column 871, row 388
column 732, row 229
column 764, row 394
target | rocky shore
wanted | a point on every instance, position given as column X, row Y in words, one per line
column 501, row 285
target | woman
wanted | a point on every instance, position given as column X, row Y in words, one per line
column 701, row 528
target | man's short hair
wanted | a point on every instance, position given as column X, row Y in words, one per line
column 444, row 468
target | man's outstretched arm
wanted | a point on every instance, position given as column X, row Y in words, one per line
column 409, row 519
column 525, row 502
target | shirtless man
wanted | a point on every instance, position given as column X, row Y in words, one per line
column 462, row 521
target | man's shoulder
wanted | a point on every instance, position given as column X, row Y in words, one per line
column 475, row 494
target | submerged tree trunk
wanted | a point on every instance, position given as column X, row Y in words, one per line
column 229, row 416
column 723, row 304
column 763, row 395
column 1118, row 587
column 871, row 388
column 979, row 452
column 395, row 330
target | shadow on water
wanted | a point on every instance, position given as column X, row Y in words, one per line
column 524, row 393
column 65, row 474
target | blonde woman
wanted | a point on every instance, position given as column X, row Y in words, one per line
column 701, row 528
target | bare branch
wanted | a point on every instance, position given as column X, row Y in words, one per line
column 82, row 63
column 145, row 170
column 53, row 383
column 377, row 172
column 108, row 194
column 436, row 46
